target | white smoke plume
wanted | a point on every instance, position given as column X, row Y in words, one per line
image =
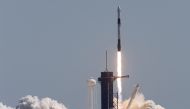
column 139, row 102
column 2, row 106
column 33, row 102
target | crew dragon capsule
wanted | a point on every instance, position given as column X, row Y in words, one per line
column 119, row 25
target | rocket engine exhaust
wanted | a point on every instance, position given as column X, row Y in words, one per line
column 119, row 86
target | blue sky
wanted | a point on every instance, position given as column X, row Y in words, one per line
column 50, row 48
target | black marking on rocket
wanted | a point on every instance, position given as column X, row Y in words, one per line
column 119, row 45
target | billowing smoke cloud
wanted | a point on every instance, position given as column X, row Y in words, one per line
column 33, row 102
column 2, row 106
column 139, row 102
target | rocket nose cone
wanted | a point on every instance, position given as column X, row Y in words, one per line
column 118, row 8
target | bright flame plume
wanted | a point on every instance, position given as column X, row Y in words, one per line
column 119, row 74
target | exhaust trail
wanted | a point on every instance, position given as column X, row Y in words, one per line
column 119, row 85
column 119, row 66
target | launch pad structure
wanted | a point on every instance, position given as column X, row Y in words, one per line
column 107, row 78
